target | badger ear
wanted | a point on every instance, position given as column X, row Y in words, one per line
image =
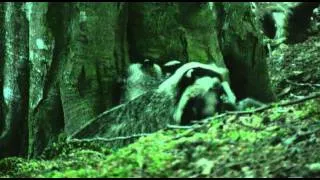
column 172, row 63
column 170, row 67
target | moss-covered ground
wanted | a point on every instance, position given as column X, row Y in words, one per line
column 279, row 142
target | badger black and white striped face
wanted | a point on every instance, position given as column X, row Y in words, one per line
column 197, row 89
column 199, row 100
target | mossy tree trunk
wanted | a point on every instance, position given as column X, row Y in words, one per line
column 45, row 116
column 243, row 51
column 96, row 54
column 59, row 64
column 14, row 65
column 168, row 31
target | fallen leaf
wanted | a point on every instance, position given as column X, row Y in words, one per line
column 314, row 167
column 285, row 91
column 206, row 165
column 306, row 78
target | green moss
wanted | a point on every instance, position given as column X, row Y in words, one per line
column 279, row 142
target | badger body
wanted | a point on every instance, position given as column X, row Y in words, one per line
column 197, row 90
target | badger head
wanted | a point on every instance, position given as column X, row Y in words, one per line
column 199, row 100
column 199, row 90
column 141, row 77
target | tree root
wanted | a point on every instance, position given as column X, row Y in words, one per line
column 96, row 139
column 263, row 108
column 302, row 84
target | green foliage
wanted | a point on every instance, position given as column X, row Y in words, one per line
column 280, row 142
column 61, row 148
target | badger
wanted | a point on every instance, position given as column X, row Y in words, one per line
column 206, row 96
column 199, row 90
column 202, row 90
column 141, row 77
column 286, row 22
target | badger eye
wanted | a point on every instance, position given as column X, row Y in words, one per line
column 214, row 89
column 219, row 89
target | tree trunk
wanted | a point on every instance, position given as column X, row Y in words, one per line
column 13, row 139
column 244, row 52
column 96, row 54
column 45, row 112
column 168, row 31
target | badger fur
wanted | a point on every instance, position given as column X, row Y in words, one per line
column 141, row 77
column 198, row 100
column 170, row 67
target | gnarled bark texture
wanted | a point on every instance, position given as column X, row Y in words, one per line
column 96, row 54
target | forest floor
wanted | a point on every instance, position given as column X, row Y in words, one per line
column 280, row 141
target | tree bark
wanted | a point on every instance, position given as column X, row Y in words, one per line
column 13, row 139
column 167, row 31
column 244, row 52
column 45, row 114
column 96, row 54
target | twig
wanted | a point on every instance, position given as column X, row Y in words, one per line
column 297, row 101
column 302, row 84
column 260, row 109
column 296, row 96
column 109, row 139
column 189, row 130
column 263, row 108
column 170, row 126
column 250, row 127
